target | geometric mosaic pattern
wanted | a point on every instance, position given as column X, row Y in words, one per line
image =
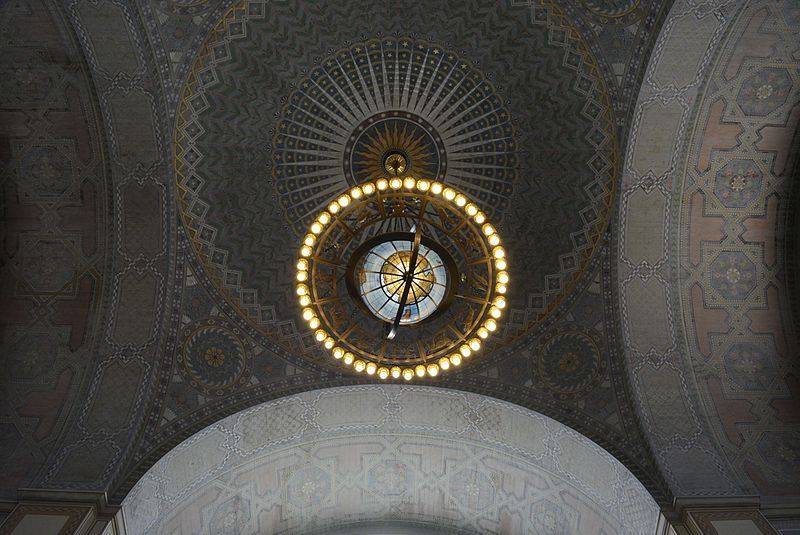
column 238, row 200
column 335, row 457
column 55, row 255
column 132, row 396
column 741, row 319
column 121, row 224
column 703, row 294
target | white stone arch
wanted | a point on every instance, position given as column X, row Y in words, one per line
column 404, row 456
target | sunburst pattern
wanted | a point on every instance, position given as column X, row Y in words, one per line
column 391, row 91
column 394, row 136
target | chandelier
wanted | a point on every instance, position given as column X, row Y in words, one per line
column 402, row 276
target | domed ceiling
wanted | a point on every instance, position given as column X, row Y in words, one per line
column 166, row 297
column 272, row 110
column 270, row 130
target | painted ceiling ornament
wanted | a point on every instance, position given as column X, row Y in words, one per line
column 392, row 95
column 258, row 157
column 570, row 360
column 402, row 276
column 214, row 357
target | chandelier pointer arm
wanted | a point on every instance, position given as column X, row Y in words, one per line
column 408, row 281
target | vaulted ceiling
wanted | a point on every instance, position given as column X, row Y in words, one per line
column 162, row 158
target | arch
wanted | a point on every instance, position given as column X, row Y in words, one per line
column 437, row 458
column 701, row 279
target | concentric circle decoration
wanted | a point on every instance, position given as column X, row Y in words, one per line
column 214, row 358
column 524, row 127
column 382, row 95
column 570, row 361
column 356, row 259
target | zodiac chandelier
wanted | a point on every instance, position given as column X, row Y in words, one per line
column 402, row 276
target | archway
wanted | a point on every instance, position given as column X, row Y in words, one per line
column 399, row 455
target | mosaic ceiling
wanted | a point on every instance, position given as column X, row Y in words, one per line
column 719, row 194
column 340, row 109
column 161, row 160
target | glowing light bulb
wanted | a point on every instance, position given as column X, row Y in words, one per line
column 502, row 277
column 305, row 300
column 305, row 251
column 302, row 289
column 371, row 368
column 329, row 343
column 495, row 312
column 356, row 192
column 302, row 275
column 320, row 335
column 423, row 185
column 480, row 218
column 444, row 363
column 409, row 183
column 368, row 188
column 308, row 314
column 333, row 207
column 500, row 263
column 382, row 184
column 475, row 344
column 338, row 353
column 348, row 358
column 359, row 365
column 316, row 228
column 310, row 239
column 491, row 325
column 455, row 359
column 465, row 350
column 487, row 229
column 395, row 371
column 494, row 239
column 500, row 302
column 449, row 194
column 323, row 218
column 343, row 200
column 471, row 210
column 499, row 252
column 395, row 183
column 313, row 322
column 436, row 188
column 461, row 201
column 302, row 264
column 500, row 288
column 383, row 373
column 433, row 370
column 419, row 369
column 483, row 332
column 408, row 374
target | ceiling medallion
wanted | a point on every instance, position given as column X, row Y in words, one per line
column 402, row 276
column 383, row 95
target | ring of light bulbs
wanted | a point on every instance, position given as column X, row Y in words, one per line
column 473, row 340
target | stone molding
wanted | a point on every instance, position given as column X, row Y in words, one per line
column 85, row 513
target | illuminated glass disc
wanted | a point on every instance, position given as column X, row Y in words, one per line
column 386, row 271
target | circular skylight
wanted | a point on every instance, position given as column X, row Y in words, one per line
column 389, row 270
